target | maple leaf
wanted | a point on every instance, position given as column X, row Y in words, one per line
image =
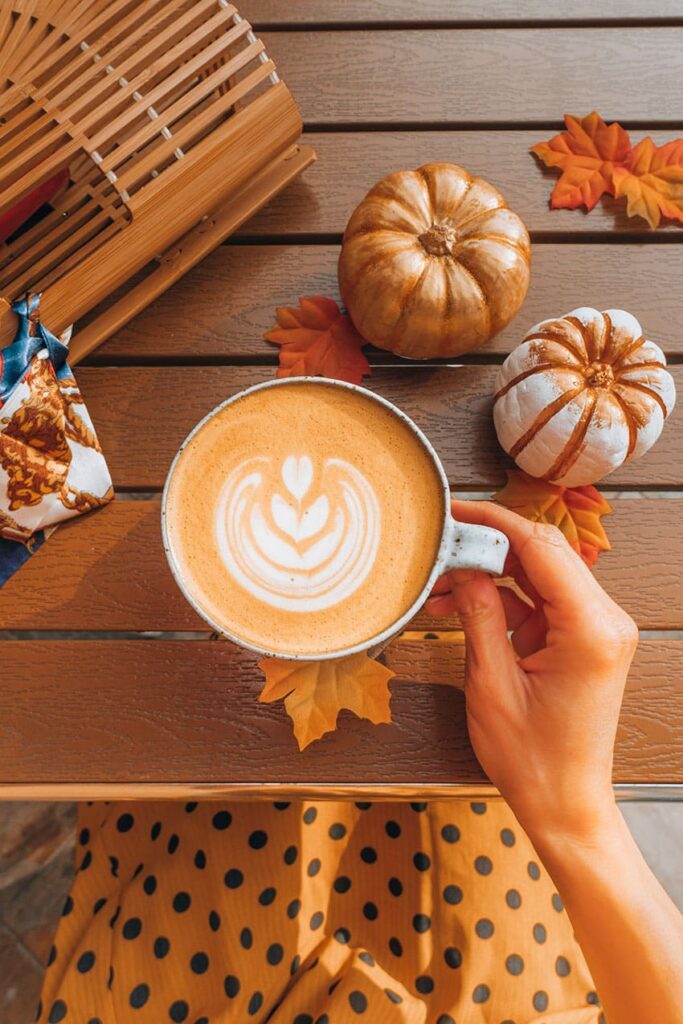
column 317, row 339
column 587, row 154
column 314, row 692
column 652, row 181
column 575, row 510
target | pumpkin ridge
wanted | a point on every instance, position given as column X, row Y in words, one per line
column 479, row 213
column 629, row 350
column 427, row 178
column 499, row 239
column 645, row 390
column 382, row 256
column 607, row 355
column 587, row 336
column 649, row 365
column 632, row 430
column 397, row 198
column 480, row 287
column 409, row 300
column 539, row 368
column 573, row 449
column 559, row 340
column 544, row 417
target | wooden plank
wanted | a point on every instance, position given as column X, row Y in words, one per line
column 349, row 163
column 108, row 571
column 462, row 12
column 183, row 711
column 142, row 415
column 233, row 294
column 479, row 76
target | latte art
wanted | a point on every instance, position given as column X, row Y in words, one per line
column 297, row 536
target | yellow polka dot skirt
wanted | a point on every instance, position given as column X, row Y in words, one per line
column 313, row 913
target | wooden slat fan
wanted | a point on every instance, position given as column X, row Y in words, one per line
column 156, row 126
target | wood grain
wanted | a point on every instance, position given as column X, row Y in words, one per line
column 479, row 76
column 233, row 294
column 387, row 12
column 108, row 571
column 142, row 414
column 172, row 711
column 349, row 163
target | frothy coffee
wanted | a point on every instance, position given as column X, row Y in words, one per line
column 304, row 518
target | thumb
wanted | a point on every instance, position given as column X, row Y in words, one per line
column 480, row 609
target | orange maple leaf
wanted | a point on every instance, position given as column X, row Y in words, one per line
column 652, row 181
column 315, row 692
column 575, row 510
column 587, row 154
column 317, row 339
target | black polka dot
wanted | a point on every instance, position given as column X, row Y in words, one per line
column 138, row 871
column 125, row 823
column 139, row 996
column 114, row 866
column 507, row 837
column 557, row 903
column 392, row 829
column 313, row 867
column 364, row 806
column 178, row 1011
column 214, row 920
column 58, row 1012
column 246, row 938
column 421, row 923
column 150, row 885
column 255, row 1004
column 293, row 909
column 478, row 808
column 200, row 860
column 155, row 831
column 453, row 957
column 513, row 899
column 452, row 894
column 395, row 886
column 86, row 862
column 562, row 966
column 290, row 855
column 303, row 1018
column 233, row 878
column 450, row 833
column 267, row 896
column 310, row 814
column 258, row 839
column 484, row 928
column 68, row 907
column 202, row 1020
column 161, row 947
column 199, row 964
column 445, row 1018
column 173, row 843
column 481, row 994
column 342, row 935
column 231, row 986
column 181, row 902
column 274, row 954
column 110, row 980
column 40, row 1009
column 294, row 966
column 342, row 884
column 424, row 984
column 593, row 999
column 93, row 1020
column 84, row 837
column 540, row 1001
column 370, row 911
column 132, row 928
column 221, row 820
column 86, row 962
column 114, row 919
column 514, row 964
column 419, row 807
column 540, row 933
column 368, row 854
column 316, row 920
column 322, row 1019
column 358, row 1001
column 52, row 957
column 366, row 958
column 393, row 996
column 191, row 806
column 395, row 946
column 98, row 904
column 422, row 861
column 533, row 870
column 337, row 830
column 483, row 865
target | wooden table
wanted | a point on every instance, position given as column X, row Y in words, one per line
column 113, row 686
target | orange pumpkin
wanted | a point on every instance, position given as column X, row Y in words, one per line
column 433, row 262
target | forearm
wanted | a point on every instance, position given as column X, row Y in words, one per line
column 629, row 930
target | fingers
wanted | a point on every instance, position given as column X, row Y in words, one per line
column 442, row 602
column 478, row 604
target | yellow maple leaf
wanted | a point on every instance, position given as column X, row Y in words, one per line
column 315, row 692
column 652, row 181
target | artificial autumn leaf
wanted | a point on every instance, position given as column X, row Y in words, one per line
column 652, row 181
column 317, row 340
column 316, row 691
column 575, row 510
column 587, row 154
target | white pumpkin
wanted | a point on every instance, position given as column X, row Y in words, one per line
column 581, row 395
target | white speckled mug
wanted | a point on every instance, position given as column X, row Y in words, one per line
column 462, row 545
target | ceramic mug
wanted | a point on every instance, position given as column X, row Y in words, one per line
column 463, row 545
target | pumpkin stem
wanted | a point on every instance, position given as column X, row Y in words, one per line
column 438, row 240
column 599, row 375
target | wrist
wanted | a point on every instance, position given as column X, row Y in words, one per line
column 576, row 824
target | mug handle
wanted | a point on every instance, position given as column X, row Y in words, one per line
column 471, row 546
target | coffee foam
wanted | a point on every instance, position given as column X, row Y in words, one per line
column 304, row 518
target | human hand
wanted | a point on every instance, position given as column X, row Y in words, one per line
column 542, row 718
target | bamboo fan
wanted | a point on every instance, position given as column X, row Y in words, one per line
column 158, row 127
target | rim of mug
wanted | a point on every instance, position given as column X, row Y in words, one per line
column 394, row 627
